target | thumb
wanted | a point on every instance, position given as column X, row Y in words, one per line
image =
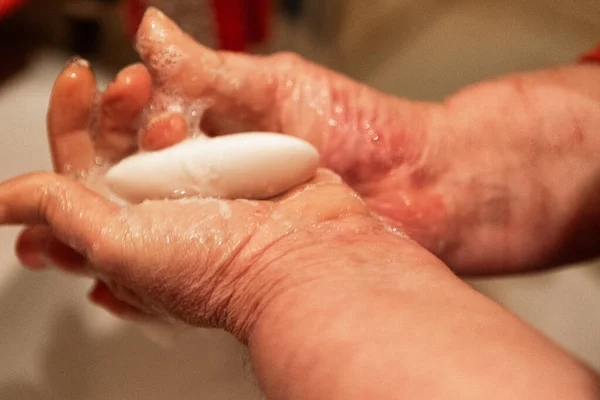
column 75, row 214
column 231, row 84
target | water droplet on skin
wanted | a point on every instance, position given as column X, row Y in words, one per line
column 374, row 135
column 195, row 110
column 225, row 210
column 396, row 231
column 236, row 84
column 276, row 216
column 251, row 203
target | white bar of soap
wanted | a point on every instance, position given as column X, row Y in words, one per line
column 242, row 166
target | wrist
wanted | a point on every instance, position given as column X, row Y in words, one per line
column 350, row 287
column 522, row 194
column 386, row 320
column 323, row 260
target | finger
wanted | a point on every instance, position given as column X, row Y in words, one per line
column 120, row 109
column 101, row 296
column 69, row 113
column 126, row 295
column 67, row 259
column 242, row 88
column 172, row 56
column 76, row 215
column 163, row 131
column 31, row 246
column 37, row 249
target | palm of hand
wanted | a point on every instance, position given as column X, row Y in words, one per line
column 167, row 257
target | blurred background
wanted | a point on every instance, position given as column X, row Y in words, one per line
column 54, row 345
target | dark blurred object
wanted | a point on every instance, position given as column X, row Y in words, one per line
column 292, row 8
column 134, row 12
column 258, row 21
column 84, row 36
column 84, row 20
column 8, row 6
column 18, row 42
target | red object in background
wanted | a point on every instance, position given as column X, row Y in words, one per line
column 258, row 13
column 592, row 56
column 8, row 6
column 134, row 12
column 231, row 24
column 241, row 23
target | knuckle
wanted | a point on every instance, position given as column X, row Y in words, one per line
column 106, row 257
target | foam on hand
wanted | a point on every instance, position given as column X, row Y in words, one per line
column 252, row 166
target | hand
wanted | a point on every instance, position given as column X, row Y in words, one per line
column 83, row 134
column 87, row 237
column 498, row 178
column 204, row 262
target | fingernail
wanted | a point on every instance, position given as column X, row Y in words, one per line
column 76, row 61
column 124, row 77
column 154, row 11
